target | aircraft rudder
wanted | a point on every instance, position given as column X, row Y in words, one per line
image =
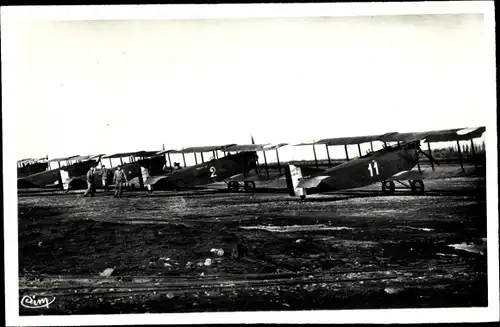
column 293, row 174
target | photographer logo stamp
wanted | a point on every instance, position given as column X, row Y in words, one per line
column 34, row 302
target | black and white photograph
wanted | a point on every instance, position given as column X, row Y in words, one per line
column 250, row 163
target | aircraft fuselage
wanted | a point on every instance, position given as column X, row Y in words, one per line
column 366, row 170
column 212, row 171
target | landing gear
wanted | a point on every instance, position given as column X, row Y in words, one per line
column 388, row 187
column 417, row 186
column 233, row 186
column 249, row 186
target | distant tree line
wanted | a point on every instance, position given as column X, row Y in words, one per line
column 452, row 151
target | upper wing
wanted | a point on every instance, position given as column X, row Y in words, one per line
column 198, row 149
column 63, row 159
column 349, row 140
column 443, row 135
column 122, row 155
column 311, row 182
column 429, row 136
column 245, row 147
column 458, row 135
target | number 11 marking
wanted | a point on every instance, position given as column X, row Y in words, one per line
column 375, row 167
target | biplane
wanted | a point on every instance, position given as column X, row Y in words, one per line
column 26, row 167
column 133, row 164
column 392, row 163
column 66, row 168
column 227, row 168
column 234, row 167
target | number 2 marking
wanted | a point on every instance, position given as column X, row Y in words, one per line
column 375, row 167
column 213, row 170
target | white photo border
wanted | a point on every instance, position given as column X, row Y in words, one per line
column 127, row 12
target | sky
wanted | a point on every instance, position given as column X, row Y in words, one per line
column 88, row 87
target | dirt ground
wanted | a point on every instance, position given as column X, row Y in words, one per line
column 219, row 251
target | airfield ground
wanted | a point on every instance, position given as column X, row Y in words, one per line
column 336, row 251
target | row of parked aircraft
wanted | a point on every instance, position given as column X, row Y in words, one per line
column 395, row 162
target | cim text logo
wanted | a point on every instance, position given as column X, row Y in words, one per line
column 34, row 302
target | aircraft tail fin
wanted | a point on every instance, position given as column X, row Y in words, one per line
column 64, row 179
column 293, row 174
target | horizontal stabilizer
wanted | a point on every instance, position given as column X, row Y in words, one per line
column 236, row 178
column 407, row 175
column 311, row 182
column 152, row 180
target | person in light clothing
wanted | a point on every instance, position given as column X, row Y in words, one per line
column 119, row 180
column 104, row 177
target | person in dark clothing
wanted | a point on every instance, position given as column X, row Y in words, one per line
column 119, row 179
column 90, row 182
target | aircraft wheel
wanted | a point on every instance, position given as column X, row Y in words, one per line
column 233, row 186
column 249, row 186
column 388, row 187
column 417, row 187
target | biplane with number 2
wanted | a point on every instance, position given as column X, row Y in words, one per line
column 225, row 169
column 387, row 165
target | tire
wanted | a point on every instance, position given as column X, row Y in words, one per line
column 233, row 186
column 249, row 186
column 417, row 186
column 388, row 187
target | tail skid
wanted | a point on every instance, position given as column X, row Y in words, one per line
column 293, row 175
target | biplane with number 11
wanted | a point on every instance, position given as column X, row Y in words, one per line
column 387, row 165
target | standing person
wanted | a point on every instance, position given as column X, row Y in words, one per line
column 119, row 179
column 104, row 177
column 90, row 182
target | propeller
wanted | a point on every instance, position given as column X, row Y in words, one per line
column 429, row 157
column 418, row 151
column 256, row 161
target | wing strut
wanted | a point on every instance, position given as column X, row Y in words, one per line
column 265, row 163
column 278, row 159
column 473, row 153
column 184, row 159
column 359, row 149
column 328, row 154
column 169, row 161
column 346, row 153
column 430, row 154
column 460, row 155
column 315, row 158
column 416, row 155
